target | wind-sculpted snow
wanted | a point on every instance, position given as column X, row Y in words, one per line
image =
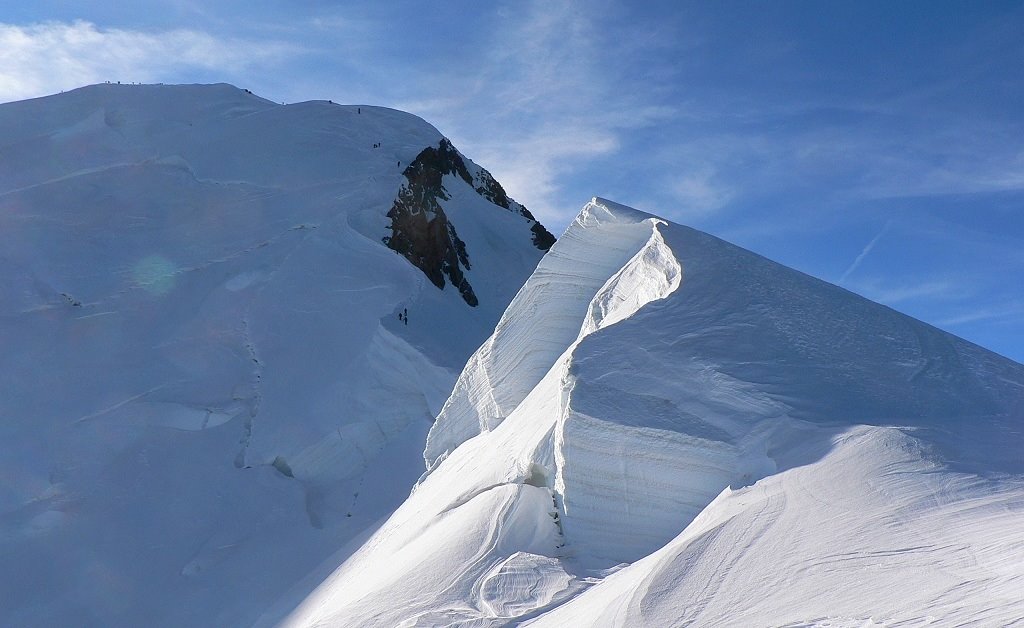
column 872, row 532
column 758, row 446
column 543, row 319
column 215, row 375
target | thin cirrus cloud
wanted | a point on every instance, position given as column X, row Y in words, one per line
column 700, row 192
column 533, row 164
column 894, row 294
column 545, row 96
column 44, row 58
column 999, row 312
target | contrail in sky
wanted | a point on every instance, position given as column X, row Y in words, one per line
column 864, row 253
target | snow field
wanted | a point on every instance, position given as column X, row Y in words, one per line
column 206, row 390
column 872, row 533
column 725, row 442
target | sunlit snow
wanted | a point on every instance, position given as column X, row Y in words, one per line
column 206, row 390
column 219, row 385
column 669, row 430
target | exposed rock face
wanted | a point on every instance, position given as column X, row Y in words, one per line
column 420, row 229
column 489, row 188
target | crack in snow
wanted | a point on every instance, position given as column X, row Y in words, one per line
column 125, row 402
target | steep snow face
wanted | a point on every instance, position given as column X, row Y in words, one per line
column 209, row 353
column 542, row 321
column 872, row 532
column 720, row 422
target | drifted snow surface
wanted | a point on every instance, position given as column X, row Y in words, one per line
column 666, row 430
column 205, row 388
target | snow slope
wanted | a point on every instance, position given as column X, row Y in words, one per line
column 206, row 388
column 665, row 429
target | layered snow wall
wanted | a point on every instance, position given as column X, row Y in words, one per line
column 681, row 399
column 539, row 325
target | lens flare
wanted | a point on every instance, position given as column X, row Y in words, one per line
column 155, row 273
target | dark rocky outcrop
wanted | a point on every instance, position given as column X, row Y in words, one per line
column 420, row 230
column 422, row 233
column 489, row 188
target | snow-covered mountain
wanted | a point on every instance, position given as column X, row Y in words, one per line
column 665, row 429
column 225, row 328
column 229, row 329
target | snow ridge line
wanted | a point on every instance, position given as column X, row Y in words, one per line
column 617, row 300
column 558, row 490
column 476, row 403
column 652, row 274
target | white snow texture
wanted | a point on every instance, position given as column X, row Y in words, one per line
column 667, row 430
column 211, row 412
column 205, row 388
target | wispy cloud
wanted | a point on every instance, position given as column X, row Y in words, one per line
column 550, row 94
column 44, row 58
column 987, row 313
column 700, row 192
column 864, row 252
column 941, row 289
column 530, row 166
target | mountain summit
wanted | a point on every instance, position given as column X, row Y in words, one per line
column 665, row 429
column 236, row 333
column 227, row 325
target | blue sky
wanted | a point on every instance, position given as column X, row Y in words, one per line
column 877, row 145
